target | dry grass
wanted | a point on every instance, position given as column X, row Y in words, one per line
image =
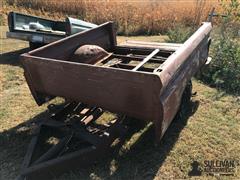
column 210, row 131
column 131, row 17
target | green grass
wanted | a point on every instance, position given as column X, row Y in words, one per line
column 209, row 131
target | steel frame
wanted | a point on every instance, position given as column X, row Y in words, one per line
column 75, row 123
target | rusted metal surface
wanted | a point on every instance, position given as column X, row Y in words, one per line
column 89, row 54
column 145, row 60
column 79, row 141
column 152, row 93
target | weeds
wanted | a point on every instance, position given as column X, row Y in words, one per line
column 179, row 34
column 224, row 73
column 1, row 20
column 131, row 17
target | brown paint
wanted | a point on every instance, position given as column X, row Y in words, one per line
column 151, row 96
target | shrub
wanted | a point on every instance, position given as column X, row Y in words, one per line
column 179, row 33
column 224, row 71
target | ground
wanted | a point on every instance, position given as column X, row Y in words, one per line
column 209, row 131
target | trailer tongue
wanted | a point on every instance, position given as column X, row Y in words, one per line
column 72, row 140
column 144, row 82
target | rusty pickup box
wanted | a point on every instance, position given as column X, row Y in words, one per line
column 147, row 82
column 143, row 80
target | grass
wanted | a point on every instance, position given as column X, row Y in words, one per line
column 209, row 130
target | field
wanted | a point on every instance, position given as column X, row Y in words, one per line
column 209, row 131
column 131, row 17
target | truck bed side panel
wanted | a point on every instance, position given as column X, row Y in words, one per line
column 123, row 91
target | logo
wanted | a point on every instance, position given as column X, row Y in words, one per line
column 225, row 167
column 196, row 171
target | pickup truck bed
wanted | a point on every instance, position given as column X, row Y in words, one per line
column 151, row 92
column 147, row 81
